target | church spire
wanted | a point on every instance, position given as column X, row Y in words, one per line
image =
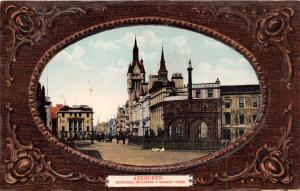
column 162, row 72
column 162, row 58
column 162, row 67
column 135, row 44
column 135, row 52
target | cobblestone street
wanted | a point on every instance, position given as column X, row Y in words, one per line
column 135, row 155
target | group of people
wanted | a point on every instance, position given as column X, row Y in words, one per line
column 69, row 138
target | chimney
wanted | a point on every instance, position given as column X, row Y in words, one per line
column 189, row 69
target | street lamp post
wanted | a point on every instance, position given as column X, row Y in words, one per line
column 92, row 136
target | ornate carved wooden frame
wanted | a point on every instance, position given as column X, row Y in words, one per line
column 267, row 34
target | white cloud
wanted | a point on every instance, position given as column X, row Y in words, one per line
column 127, row 38
column 146, row 38
column 74, row 57
column 229, row 72
column 150, row 38
column 114, row 70
column 104, row 46
column 180, row 43
column 211, row 43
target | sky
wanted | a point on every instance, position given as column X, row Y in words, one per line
column 100, row 62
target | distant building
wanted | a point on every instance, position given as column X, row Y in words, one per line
column 44, row 106
column 121, row 120
column 75, row 120
column 54, row 114
column 48, row 107
column 141, row 115
column 112, row 127
column 126, row 116
column 55, row 109
column 101, row 128
column 240, row 106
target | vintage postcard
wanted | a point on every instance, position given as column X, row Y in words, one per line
column 156, row 94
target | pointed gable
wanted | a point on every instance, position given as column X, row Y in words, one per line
column 136, row 68
column 129, row 71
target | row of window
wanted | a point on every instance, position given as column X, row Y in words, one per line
column 226, row 133
column 75, row 129
column 136, row 85
column 241, row 102
column 63, row 121
column 210, row 93
column 75, row 114
column 241, row 118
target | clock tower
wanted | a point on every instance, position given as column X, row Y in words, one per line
column 135, row 78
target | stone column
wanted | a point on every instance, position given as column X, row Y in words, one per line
column 72, row 125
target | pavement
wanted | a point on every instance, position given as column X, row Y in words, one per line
column 136, row 155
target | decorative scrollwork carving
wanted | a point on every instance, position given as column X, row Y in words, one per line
column 269, row 163
column 270, row 29
column 28, row 25
column 27, row 162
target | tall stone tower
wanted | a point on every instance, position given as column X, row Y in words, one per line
column 135, row 77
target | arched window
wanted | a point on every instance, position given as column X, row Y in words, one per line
column 175, row 129
column 202, row 130
column 179, row 130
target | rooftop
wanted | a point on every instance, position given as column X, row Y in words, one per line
column 76, row 108
column 177, row 76
column 240, row 89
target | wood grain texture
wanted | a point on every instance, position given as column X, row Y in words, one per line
column 267, row 157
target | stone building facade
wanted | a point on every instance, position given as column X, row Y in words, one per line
column 196, row 119
column 141, row 115
column 112, row 127
column 156, row 108
column 75, row 120
column 239, row 109
column 121, row 120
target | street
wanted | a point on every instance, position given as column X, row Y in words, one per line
column 135, row 155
